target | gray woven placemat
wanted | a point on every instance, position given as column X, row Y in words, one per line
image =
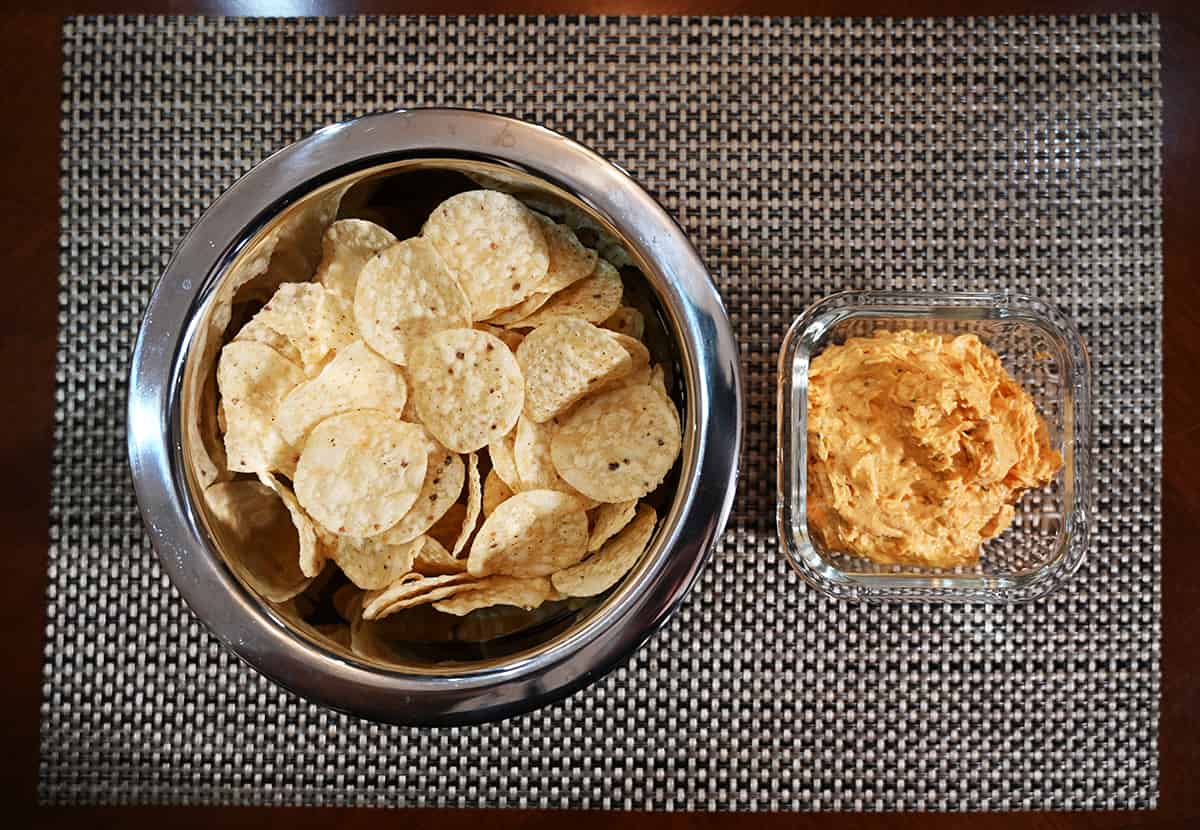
column 803, row 157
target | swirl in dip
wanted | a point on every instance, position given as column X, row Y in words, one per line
column 919, row 444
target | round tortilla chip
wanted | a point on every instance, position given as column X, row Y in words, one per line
column 593, row 298
column 444, row 477
column 627, row 320
column 312, row 553
column 346, row 246
column 253, row 379
column 534, row 533
column 527, row 593
column 404, row 293
column 618, row 445
column 563, row 361
column 356, row 378
column 360, row 472
column 370, row 563
column 467, row 387
column 605, row 568
column 608, row 520
column 255, row 530
column 495, row 491
column 570, row 259
column 493, row 244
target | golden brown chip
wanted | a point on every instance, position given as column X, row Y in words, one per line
column 435, row 560
column 316, row 321
column 410, row 590
column 593, row 298
column 345, row 249
column 494, row 246
column 474, row 502
column 608, row 520
column 494, row 492
column 534, row 533
column 370, row 563
column 360, row 472
column 405, row 293
column 627, row 320
column 605, row 568
column 254, row 379
column 618, row 445
column 564, row 360
column 570, row 260
column 255, row 530
column 467, row 386
column 444, row 476
column 356, row 378
column 312, row 552
column 527, row 593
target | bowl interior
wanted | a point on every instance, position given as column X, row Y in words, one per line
column 285, row 247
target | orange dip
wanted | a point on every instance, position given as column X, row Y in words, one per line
column 919, row 444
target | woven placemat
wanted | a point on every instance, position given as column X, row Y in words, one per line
column 803, row 157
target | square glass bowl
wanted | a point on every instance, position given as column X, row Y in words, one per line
column 1042, row 350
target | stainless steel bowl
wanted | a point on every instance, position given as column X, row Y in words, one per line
column 268, row 222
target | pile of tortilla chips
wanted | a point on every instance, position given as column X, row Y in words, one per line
column 463, row 419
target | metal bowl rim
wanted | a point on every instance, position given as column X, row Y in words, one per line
column 599, row 643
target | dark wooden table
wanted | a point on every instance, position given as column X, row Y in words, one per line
column 30, row 63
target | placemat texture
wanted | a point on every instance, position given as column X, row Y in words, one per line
column 803, row 157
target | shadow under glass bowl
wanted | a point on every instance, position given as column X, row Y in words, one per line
column 393, row 168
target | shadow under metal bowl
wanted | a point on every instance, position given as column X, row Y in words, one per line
column 395, row 167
